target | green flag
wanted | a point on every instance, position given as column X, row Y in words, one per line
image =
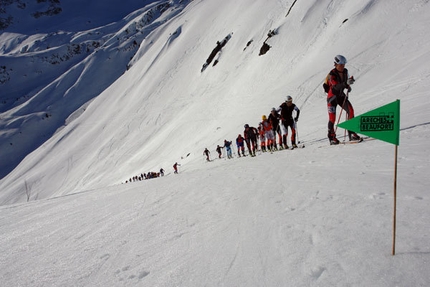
column 382, row 123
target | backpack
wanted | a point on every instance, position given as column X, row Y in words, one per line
column 326, row 86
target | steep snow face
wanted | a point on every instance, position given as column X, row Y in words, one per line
column 48, row 79
column 134, row 98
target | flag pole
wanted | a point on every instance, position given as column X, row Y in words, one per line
column 395, row 201
column 382, row 123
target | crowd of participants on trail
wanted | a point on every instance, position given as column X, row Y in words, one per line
column 151, row 174
column 271, row 133
column 145, row 176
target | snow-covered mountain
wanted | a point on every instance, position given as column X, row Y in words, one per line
column 97, row 93
column 49, row 80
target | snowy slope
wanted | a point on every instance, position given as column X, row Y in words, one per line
column 319, row 216
column 242, row 222
column 164, row 105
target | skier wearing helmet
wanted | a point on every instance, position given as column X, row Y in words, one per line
column 286, row 110
column 266, row 128
column 336, row 82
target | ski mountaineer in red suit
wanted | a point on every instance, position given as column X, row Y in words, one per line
column 336, row 82
column 266, row 127
column 175, row 167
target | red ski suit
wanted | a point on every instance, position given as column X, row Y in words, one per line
column 336, row 96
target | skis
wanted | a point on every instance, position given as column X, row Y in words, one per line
column 353, row 141
column 348, row 142
column 283, row 148
column 298, row 146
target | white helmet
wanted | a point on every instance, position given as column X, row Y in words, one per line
column 340, row 60
column 289, row 99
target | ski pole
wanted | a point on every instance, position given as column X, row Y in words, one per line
column 346, row 115
column 340, row 114
column 344, row 131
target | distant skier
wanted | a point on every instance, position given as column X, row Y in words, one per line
column 286, row 109
column 175, row 167
column 227, row 145
column 161, row 171
column 336, row 82
column 250, row 134
column 207, row 153
column 219, row 151
column 240, row 143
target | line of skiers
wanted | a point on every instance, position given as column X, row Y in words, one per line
column 272, row 131
column 144, row 176
column 269, row 129
column 279, row 120
column 276, row 125
column 282, row 118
